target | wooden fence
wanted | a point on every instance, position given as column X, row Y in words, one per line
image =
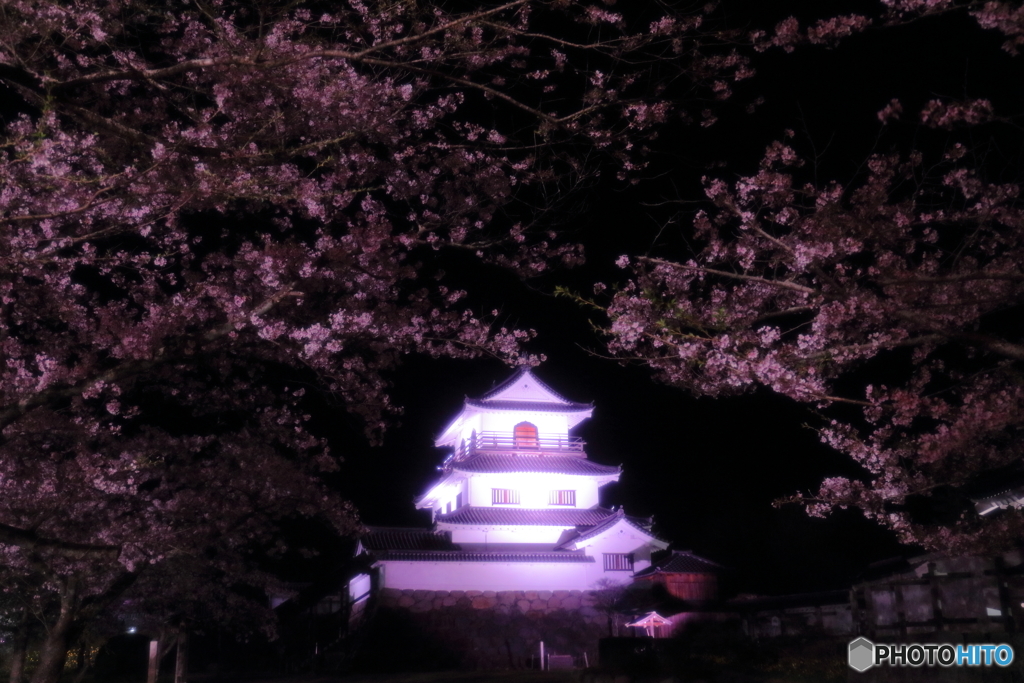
column 961, row 595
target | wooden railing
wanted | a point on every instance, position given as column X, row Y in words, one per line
column 507, row 442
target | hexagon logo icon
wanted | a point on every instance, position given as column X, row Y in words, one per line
column 862, row 654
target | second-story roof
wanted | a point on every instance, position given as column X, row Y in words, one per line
column 425, row 545
column 486, row 463
column 560, row 557
column 492, row 516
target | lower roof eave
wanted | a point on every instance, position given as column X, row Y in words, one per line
column 485, row 557
column 489, row 516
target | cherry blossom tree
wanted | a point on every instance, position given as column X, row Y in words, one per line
column 888, row 303
column 209, row 209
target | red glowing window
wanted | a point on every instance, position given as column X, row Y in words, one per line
column 525, row 435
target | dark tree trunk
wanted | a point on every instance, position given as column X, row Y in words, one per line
column 52, row 656
column 54, row 651
column 181, row 656
column 18, row 649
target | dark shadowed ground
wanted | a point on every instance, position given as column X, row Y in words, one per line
column 439, row 677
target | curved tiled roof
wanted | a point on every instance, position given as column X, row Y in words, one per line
column 470, row 556
column 397, row 538
column 606, row 524
column 543, row 406
column 532, row 396
column 555, row 464
column 682, row 562
column 516, row 376
column 515, row 517
column 423, row 545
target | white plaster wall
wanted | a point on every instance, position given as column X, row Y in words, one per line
column 620, row 539
column 533, row 489
column 359, row 586
column 527, row 389
column 493, row 576
column 512, row 534
column 445, row 492
column 471, row 423
column 549, row 425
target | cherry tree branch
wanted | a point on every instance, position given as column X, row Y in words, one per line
column 996, row 345
column 130, row 369
column 783, row 284
column 999, row 346
column 31, row 542
column 444, row 27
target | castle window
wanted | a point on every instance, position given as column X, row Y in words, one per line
column 562, row 498
column 458, row 500
column 618, row 562
column 524, row 435
column 504, row 497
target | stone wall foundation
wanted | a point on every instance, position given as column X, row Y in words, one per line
column 483, row 629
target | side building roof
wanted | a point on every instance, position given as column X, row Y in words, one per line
column 586, row 533
column 681, row 562
column 382, row 539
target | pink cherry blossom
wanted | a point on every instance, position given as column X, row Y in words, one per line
column 197, row 203
column 804, row 292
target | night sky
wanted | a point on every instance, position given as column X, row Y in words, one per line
column 707, row 470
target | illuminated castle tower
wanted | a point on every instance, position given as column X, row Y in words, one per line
column 516, row 506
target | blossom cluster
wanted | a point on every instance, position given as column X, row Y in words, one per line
column 809, row 290
column 197, row 204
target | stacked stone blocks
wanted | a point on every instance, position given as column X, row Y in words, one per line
column 503, row 629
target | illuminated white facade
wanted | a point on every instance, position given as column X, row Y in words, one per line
column 516, row 506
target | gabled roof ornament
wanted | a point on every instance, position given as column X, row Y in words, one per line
column 523, row 391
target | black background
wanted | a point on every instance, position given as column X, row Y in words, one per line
column 707, row 470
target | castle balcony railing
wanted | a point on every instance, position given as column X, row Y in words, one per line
column 507, row 442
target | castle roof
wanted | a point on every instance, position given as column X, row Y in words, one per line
column 396, row 538
column 681, row 562
column 615, row 518
column 557, row 464
column 523, row 391
column 470, row 515
column 542, row 406
column 483, row 556
column 522, row 384
column 424, row 545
